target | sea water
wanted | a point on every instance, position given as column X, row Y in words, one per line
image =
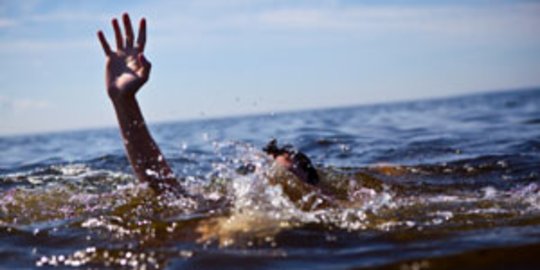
column 448, row 183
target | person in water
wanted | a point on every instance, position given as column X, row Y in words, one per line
column 126, row 71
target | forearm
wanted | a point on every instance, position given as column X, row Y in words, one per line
column 146, row 159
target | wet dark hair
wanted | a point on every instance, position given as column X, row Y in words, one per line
column 274, row 150
column 302, row 166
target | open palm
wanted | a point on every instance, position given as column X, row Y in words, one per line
column 126, row 68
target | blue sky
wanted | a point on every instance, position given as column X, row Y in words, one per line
column 215, row 58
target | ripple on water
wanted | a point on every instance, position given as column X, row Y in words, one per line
column 448, row 179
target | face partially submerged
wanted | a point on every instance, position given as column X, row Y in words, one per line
column 293, row 160
column 284, row 160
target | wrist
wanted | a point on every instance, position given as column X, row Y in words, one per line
column 118, row 97
column 119, row 101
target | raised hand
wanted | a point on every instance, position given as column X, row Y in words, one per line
column 126, row 71
column 126, row 68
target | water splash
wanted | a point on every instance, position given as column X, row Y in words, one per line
column 244, row 201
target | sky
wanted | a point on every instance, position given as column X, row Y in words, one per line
column 214, row 58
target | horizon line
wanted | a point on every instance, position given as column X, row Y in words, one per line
column 273, row 113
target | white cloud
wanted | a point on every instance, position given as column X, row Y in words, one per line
column 462, row 23
column 209, row 20
column 5, row 23
column 68, row 17
column 25, row 104
column 522, row 17
column 28, row 45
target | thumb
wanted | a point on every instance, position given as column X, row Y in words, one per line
column 145, row 65
column 144, row 62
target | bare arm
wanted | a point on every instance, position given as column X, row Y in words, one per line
column 127, row 70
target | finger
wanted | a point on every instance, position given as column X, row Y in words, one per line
column 129, row 31
column 141, row 39
column 104, row 43
column 118, row 35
